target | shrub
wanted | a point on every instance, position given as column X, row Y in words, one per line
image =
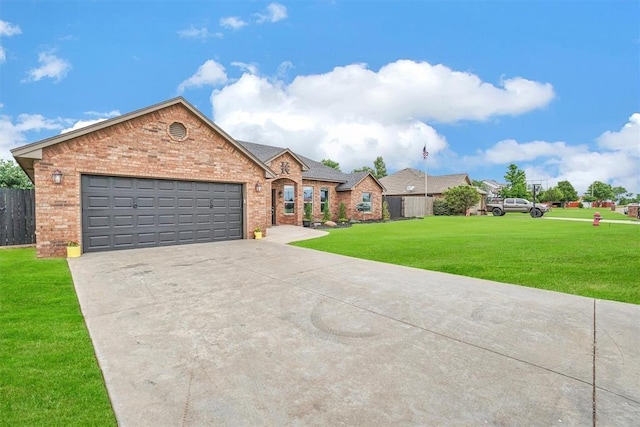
column 440, row 207
column 342, row 212
column 326, row 215
column 308, row 213
column 386, row 215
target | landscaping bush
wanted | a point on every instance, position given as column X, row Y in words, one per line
column 342, row 213
column 440, row 207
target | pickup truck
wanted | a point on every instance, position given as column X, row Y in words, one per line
column 500, row 207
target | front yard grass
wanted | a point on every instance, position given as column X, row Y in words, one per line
column 48, row 371
column 565, row 256
column 587, row 213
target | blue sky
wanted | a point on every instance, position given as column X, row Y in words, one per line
column 553, row 87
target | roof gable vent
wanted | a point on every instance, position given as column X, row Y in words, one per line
column 177, row 131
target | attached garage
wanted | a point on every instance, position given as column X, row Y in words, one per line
column 128, row 212
column 162, row 175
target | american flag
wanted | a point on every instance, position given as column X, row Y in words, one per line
column 425, row 153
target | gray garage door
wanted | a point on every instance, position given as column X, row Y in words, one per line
column 125, row 213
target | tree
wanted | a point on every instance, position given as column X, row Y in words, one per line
column 569, row 194
column 552, row 194
column 598, row 192
column 331, row 164
column 381, row 168
column 618, row 192
column 364, row 169
column 516, row 183
column 379, row 171
column 461, row 198
column 12, row 176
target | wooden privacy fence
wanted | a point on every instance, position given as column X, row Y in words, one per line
column 17, row 217
column 409, row 206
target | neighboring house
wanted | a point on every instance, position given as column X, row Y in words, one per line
column 410, row 182
column 167, row 175
column 493, row 188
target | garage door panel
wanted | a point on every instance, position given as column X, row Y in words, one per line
column 123, row 240
column 164, row 185
column 146, row 220
column 121, row 212
column 165, row 237
column 145, row 184
column 98, row 222
column 123, row 183
column 123, row 221
column 186, row 219
column 166, row 202
column 185, row 186
column 166, row 220
column 97, row 202
column 146, row 239
column 185, row 236
column 101, row 241
column 98, row 182
column 120, row 202
column 145, row 202
column 184, row 202
column 203, row 219
column 203, row 203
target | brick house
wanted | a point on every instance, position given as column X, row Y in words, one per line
column 167, row 175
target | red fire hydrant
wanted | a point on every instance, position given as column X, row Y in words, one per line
column 596, row 219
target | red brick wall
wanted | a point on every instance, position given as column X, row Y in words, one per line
column 349, row 198
column 140, row 147
column 353, row 197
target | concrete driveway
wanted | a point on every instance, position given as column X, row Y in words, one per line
column 256, row 332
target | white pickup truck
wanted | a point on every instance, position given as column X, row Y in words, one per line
column 500, row 207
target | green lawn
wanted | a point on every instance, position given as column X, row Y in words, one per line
column 48, row 371
column 564, row 256
column 605, row 213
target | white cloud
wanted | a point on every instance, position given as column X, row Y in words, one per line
column 250, row 68
column 7, row 29
column 13, row 134
column 510, row 151
column 275, row 12
column 627, row 139
column 232, row 22
column 616, row 162
column 353, row 114
column 198, row 33
column 108, row 114
column 52, row 67
column 210, row 73
column 81, row 124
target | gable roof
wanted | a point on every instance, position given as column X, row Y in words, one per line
column 27, row 154
column 316, row 171
column 411, row 181
column 267, row 153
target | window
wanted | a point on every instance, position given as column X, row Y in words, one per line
column 366, row 202
column 307, row 195
column 289, row 199
column 324, row 198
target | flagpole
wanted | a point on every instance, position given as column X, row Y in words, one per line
column 425, row 156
